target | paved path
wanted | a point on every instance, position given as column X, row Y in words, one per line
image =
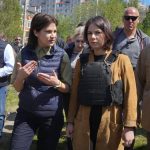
column 9, row 122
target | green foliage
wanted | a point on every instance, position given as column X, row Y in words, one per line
column 110, row 9
column 83, row 12
column 133, row 3
column 10, row 14
column 65, row 26
column 146, row 23
column 12, row 100
column 113, row 11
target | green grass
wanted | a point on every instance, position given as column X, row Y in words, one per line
column 11, row 105
column 12, row 100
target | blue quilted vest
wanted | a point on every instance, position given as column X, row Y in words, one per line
column 37, row 97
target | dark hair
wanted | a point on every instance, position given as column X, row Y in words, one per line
column 105, row 26
column 39, row 22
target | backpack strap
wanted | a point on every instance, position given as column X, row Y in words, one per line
column 140, row 39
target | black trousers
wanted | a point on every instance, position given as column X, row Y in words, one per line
column 66, row 98
column 27, row 125
column 94, row 120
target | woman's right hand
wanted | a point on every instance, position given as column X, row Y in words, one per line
column 26, row 70
column 69, row 130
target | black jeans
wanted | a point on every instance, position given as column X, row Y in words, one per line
column 27, row 125
column 66, row 98
column 95, row 119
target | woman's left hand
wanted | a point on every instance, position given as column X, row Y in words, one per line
column 51, row 80
column 128, row 136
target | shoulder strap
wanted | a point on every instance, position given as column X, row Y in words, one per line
column 84, row 58
column 112, row 57
column 140, row 39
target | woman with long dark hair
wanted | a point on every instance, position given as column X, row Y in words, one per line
column 103, row 99
column 42, row 74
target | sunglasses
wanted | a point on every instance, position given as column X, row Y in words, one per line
column 133, row 18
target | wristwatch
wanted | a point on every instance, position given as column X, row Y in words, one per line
column 58, row 85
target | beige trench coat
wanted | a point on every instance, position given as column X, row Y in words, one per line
column 113, row 117
column 143, row 80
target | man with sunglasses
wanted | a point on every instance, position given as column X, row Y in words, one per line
column 17, row 45
column 129, row 39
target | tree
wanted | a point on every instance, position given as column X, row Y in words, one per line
column 133, row 3
column 65, row 26
column 113, row 11
column 110, row 9
column 83, row 12
column 146, row 23
column 10, row 14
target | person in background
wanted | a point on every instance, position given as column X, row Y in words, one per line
column 103, row 100
column 71, row 40
column 130, row 40
column 17, row 45
column 76, row 49
column 42, row 74
column 143, row 78
column 7, row 61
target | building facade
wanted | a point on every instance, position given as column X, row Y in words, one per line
column 52, row 7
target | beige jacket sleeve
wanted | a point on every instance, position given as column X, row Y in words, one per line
column 73, row 106
column 130, row 93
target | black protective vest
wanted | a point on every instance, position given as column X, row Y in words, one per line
column 95, row 83
column 3, row 80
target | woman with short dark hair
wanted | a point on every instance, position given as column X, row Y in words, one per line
column 103, row 99
column 42, row 74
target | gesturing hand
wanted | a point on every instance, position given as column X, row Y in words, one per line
column 26, row 70
column 49, row 79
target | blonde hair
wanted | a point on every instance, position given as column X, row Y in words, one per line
column 79, row 31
